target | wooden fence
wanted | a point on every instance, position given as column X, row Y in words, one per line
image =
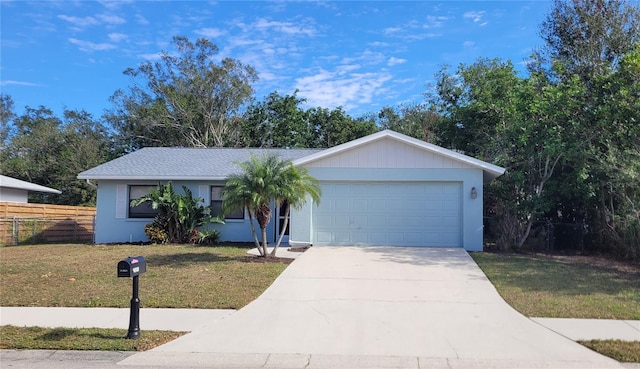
column 44, row 223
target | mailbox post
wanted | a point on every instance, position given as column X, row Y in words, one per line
column 133, row 267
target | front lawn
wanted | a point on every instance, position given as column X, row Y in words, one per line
column 564, row 286
column 177, row 276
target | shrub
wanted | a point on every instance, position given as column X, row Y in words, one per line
column 208, row 237
column 156, row 233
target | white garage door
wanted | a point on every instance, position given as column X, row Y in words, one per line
column 389, row 213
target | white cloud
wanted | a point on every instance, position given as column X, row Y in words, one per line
column 392, row 30
column 150, row 57
column 17, row 83
column 141, row 20
column 111, row 19
column 117, row 37
column 284, row 27
column 476, row 17
column 468, row 44
column 434, row 21
column 367, row 56
column 91, row 46
column 395, row 61
column 409, row 32
column 79, row 22
column 333, row 89
column 110, row 4
column 209, row 32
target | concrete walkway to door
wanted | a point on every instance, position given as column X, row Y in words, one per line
column 376, row 307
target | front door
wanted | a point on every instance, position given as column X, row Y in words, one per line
column 280, row 213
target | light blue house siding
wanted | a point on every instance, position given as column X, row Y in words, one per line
column 382, row 189
column 471, row 227
column 114, row 228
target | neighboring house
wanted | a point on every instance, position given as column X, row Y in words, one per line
column 15, row 190
column 382, row 189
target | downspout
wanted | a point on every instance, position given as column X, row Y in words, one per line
column 91, row 184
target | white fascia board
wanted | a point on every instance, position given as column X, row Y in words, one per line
column 18, row 184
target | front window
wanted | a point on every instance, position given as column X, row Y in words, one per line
column 216, row 204
column 143, row 210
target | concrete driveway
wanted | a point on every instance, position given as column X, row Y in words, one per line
column 378, row 307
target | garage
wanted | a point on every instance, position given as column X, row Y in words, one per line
column 388, row 189
column 389, row 213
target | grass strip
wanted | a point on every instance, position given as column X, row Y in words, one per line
column 100, row 339
column 178, row 276
column 624, row 351
column 559, row 287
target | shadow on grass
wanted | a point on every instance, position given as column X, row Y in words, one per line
column 191, row 258
column 58, row 334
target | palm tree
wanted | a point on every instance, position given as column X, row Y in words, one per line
column 297, row 185
column 264, row 180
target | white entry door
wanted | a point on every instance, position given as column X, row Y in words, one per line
column 389, row 213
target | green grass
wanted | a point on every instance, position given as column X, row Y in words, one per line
column 543, row 286
column 177, row 276
column 624, row 351
column 37, row 338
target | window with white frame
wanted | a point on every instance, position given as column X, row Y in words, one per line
column 143, row 210
column 216, row 204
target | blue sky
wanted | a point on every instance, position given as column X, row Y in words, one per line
column 361, row 55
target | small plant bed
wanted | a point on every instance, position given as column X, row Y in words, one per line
column 100, row 339
column 624, row 351
column 178, row 276
column 561, row 286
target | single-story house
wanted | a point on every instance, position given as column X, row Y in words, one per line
column 382, row 189
column 15, row 190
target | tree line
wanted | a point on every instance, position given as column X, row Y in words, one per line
column 567, row 130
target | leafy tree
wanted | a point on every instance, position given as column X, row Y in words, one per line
column 183, row 100
column 179, row 215
column 278, row 121
column 588, row 37
column 6, row 116
column 519, row 123
column 612, row 160
column 334, row 127
column 415, row 120
column 262, row 181
column 593, row 46
column 50, row 151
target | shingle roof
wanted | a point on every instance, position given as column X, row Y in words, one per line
column 14, row 183
column 173, row 163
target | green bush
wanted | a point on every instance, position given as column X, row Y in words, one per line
column 156, row 233
column 208, row 237
column 178, row 216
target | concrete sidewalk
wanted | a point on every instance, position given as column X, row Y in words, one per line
column 191, row 319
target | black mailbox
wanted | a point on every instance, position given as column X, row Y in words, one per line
column 132, row 266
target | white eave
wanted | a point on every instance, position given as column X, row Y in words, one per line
column 17, row 184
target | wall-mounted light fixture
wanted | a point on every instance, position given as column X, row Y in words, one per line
column 474, row 193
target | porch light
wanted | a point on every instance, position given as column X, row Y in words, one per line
column 474, row 193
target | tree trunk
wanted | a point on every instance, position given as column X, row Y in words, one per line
column 263, row 216
column 283, row 230
column 264, row 242
column 253, row 232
